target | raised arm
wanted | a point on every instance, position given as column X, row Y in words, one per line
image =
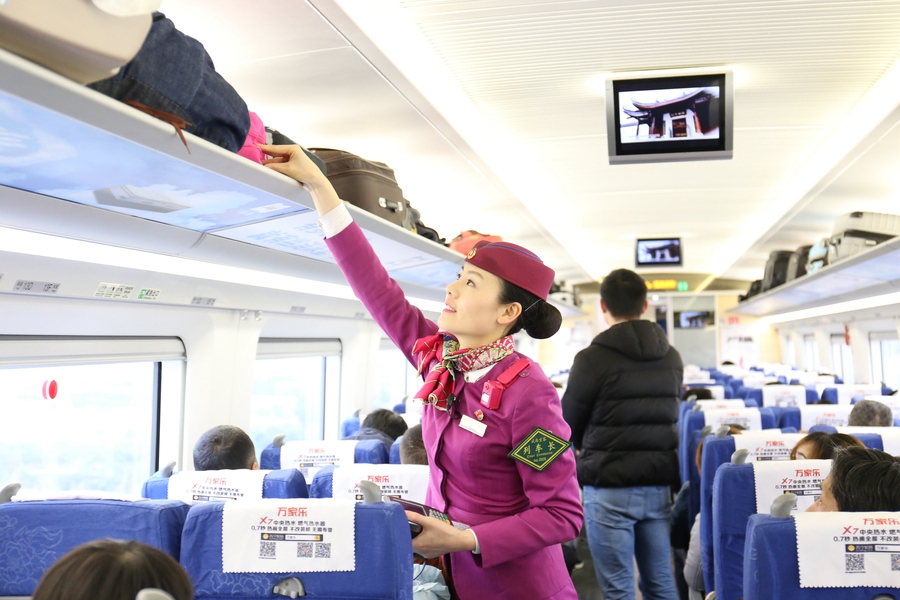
column 380, row 294
column 293, row 162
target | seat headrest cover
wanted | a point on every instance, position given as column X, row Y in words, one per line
column 775, row 478
column 288, row 536
column 846, row 549
column 308, row 456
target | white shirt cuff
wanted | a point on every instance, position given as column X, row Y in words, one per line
column 335, row 220
column 477, row 549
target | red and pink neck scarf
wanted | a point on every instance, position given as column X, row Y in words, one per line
column 452, row 359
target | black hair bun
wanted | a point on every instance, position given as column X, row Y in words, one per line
column 545, row 323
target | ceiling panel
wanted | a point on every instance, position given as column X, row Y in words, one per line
column 534, row 69
column 234, row 31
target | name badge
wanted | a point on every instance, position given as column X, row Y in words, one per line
column 470, row 424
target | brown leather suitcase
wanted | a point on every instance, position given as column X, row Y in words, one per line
column 366, row 184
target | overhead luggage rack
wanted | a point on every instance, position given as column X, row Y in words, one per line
column 871, row 273
column 122, row 178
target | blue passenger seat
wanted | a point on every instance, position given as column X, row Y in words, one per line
column 283, row 483
column 831, row 393
column 395, row 451
column 383, row 559
column 35, row 534
column 367, row 451
column 695, row 421
column 322, row 483
column 734, row 502
column 772, row 569
column 757, row 395
column 350, row 425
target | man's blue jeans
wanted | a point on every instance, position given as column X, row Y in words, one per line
column 630, row 522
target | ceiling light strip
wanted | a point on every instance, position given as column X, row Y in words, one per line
column 833, row 309
column 49, row 246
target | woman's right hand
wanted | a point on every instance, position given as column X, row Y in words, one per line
column 293, row 162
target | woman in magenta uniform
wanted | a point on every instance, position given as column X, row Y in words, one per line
column 504, row 468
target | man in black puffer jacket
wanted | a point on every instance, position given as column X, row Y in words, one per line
column 622, row 405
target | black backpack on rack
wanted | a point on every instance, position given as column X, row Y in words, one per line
column 755, row 288
column 776, row 269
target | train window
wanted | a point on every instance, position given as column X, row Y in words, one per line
column 885, row 352
column 397, row 378
column 810, row 353
column 789, row 348
column 842, row 358
column 83, row 413
column 292, row 381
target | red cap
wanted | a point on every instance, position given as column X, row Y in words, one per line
column 515, row 264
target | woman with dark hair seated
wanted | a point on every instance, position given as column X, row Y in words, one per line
column 821, row 445
column 113, row 570
column 861, row 480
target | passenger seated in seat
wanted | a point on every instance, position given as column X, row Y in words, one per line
column 861, row 480
column 384, row 425
column 821, row 445
column 224, row 447
column 429, row 576
column 693, row 567
column 698, row 394
column 869, row 413
column 113, row 570
column 412, row 448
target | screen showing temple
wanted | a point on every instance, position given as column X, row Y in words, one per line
column 670, row 118
column 694, row 319
column 661, row 115
column 666, row 252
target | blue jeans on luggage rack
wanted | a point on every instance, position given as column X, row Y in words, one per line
column 624, row 524
column 173, row 73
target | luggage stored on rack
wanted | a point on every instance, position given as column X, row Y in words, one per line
column 172, row 73
column 467, row 239
column 797, row 264
column 77, row 39
column 817, row 256
column 428, row 233
column 776, row 269
column 366, row 184
column 859, row 231
column 754, row 290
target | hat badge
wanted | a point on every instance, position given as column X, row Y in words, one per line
column 471, row 253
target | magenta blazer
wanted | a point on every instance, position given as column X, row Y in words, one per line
column 520, row 515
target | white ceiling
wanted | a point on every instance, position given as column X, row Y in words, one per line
column 492, row 113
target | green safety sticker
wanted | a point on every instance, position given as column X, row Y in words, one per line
column 539, row 449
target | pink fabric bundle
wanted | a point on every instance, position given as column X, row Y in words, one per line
column 256, row 135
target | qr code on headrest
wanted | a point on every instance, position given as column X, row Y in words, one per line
column 267, row 549
column 895, row 562
column 323, row 550
column 854, row 563
column 304, row 550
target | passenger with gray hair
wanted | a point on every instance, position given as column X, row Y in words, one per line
column 871, row 413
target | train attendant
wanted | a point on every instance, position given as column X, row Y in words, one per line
column 501, row 465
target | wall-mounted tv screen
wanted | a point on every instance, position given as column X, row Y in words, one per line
column 670, row 118
column 664, row 252
column 694, row 319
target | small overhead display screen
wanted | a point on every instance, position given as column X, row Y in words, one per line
column 694, row 319
column 659, row 252
column 669, row 118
